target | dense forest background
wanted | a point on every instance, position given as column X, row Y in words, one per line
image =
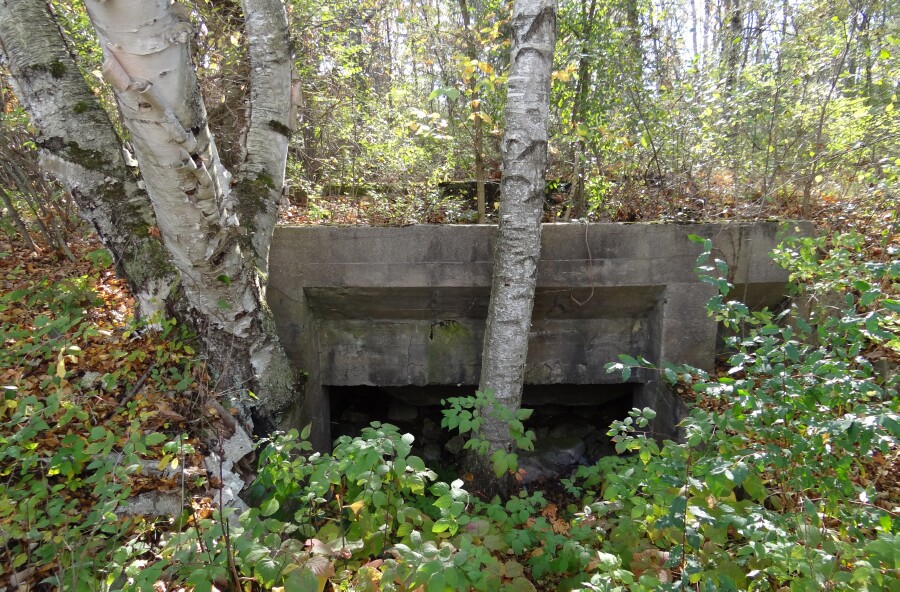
column 675, row 110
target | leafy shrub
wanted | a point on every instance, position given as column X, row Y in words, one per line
column 781, row 479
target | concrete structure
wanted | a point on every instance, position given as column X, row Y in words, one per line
column 406, row 306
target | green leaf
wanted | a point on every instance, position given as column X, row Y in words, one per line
column 513, row 569
column 268, row 570
column 891, row 305
column 303, row 579
column 519, row 584
column 499, row 462
column 269, row 507
column 608, row 561
column 628, row 360
column 437, row 582
column 493, row 542
column 154, row 439
column 755, row 487
column 443, row 502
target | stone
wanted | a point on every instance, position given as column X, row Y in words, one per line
column 431, row 451
column 551, row 459
column 153, row 503
column 402, row 411
column 234, row 449
column 90, row 380
column 570, row 430
column 431, row 429
column 455, row 444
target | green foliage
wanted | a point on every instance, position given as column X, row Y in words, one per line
column 465, row 415
column 68, row 469
column 776, row 482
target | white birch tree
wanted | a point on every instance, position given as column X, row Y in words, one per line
column 215, row 228
column 518, row 244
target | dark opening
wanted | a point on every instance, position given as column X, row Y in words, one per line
column 570, row 421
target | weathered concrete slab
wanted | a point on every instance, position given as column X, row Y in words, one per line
column 406, row 306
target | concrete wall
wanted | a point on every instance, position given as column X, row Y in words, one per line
column 406, row 306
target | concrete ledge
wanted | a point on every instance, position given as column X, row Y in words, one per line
column 406, row 306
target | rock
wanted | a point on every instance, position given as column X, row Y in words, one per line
column 430, row 429
column 569, row 430
column 234, row 448
column 431, row 451
column 355, row 418
column 402, row 411
column 455, row 444
column 90, row 381
column 153, row 503
column 551, row 459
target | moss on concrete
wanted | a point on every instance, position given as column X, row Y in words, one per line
column 448, row 340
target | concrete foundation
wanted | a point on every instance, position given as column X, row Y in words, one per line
column 395, row 307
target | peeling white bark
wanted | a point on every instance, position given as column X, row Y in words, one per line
column 521, row 204
column 149, row 65
column 80, row 147
column 261, row 174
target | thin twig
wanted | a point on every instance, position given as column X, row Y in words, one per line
column 137, row 386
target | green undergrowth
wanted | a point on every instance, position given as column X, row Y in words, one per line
column 79, row 424
column 786, row 478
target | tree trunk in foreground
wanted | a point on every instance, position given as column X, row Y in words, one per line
column 203, row 222
column 147, row 61
column 519, row 242
column 79, row 145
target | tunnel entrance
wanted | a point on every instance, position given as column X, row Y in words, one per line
column 569, row 420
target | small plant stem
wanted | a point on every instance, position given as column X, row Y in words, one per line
column 137, row 385
column 387, row 518
column 687, row 477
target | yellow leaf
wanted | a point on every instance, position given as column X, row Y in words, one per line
column 61, row 367
column 356, row 507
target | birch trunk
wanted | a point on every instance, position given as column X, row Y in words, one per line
column 273, row 92
column 79, row 145
column 519, row 242
column 148, row 63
